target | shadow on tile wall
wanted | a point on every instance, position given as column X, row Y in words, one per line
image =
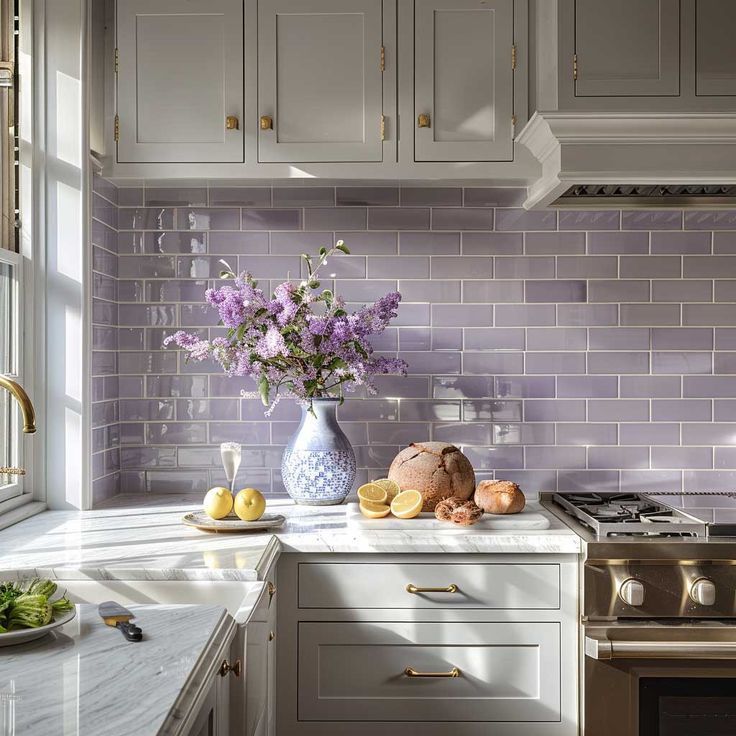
column 583, row 350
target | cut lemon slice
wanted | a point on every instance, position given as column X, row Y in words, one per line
column 372, row 492
column 374, row 510
column 407, row 504
column 390, row 486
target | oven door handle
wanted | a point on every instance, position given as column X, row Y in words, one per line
column 604, row 648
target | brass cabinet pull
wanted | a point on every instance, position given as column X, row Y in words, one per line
column 411, row 672
column 266, row 122
column 452, row 588
column 232, row 122
column 271, row 636
column 424, row 120
column 235, row 668
column 271, row 592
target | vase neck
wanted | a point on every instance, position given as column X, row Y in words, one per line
column 321, row 409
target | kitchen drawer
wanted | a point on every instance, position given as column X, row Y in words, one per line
column 357, row 672
column 367, row 585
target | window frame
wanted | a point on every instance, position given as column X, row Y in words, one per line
column 14, row 493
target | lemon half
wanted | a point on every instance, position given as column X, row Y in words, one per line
column 390, row 486
column 374, row 510
column 407, row 504
column 372, row 492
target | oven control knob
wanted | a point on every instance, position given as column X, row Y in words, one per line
column 703, row 592
column 631, row 592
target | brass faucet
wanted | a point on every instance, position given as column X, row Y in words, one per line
column 26, row 405
column 29, row 415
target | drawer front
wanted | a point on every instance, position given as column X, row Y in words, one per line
column 357, row 672
column 365, row 585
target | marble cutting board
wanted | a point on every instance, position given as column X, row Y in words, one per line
column 531, row 518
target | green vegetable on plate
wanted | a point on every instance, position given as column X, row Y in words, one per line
column 28, row 605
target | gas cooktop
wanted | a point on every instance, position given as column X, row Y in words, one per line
column 629, row 515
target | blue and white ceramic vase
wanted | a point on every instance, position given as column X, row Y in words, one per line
column 318, row 466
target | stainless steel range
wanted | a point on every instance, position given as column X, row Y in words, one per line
column 658, row 617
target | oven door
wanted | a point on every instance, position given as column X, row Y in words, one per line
column 658, row 679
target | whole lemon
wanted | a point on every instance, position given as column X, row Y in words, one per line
column 218, row 502
column 250, row 504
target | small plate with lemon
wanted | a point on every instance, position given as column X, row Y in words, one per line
column 223, row 512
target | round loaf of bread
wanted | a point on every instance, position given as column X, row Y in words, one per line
column 499, row 497
column 435, row 469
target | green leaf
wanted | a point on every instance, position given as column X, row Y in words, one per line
column 263, row 389
column 340, row 313
column 322, row 252
column 342, row 247
column 314, row 284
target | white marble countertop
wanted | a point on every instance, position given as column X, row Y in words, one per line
column 86, row 678
column 142, row 537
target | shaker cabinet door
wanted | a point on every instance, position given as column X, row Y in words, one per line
column 715, row 61
column 180, row 80
column 463, row 80
column 320, row 86
column 627, row 48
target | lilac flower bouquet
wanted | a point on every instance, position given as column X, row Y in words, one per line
column 300, row 341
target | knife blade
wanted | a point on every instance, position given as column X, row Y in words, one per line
column 117, row 616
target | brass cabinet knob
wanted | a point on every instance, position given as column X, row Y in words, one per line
column 271, row 635
column 236, row 668
column 266, row 122
column 424, row 120
column 232, row 122
column 271, row 592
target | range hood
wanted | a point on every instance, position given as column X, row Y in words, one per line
column 599, row 160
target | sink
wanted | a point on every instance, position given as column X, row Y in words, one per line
column 238, row 597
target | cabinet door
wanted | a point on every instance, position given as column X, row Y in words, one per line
column 627, row 48
column 320, row 80
column 205, row 722
column 715, row 60
column 377, row 671
column 463, row 80
column 180, row 75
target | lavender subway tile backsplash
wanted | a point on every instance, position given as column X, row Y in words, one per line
column 579, row 350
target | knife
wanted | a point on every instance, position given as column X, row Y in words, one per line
column 113, row 614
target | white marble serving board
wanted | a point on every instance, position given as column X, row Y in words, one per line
column 530, row 518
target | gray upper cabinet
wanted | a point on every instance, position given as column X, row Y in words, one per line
column 320, row 80
column 715, row 59
column 463, row 80
column 627, row 48
column 180, row 80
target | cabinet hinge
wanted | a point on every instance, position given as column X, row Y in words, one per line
column 116, row 129
column 117, row 60
column 513, row 57
column 383, row 127
column 575, row 67
column 383, row 59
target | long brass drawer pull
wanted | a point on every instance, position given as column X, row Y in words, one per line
column 452, row 588
column 411, row 672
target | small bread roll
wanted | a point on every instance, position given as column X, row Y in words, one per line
column 458, row 511
column 499, row 497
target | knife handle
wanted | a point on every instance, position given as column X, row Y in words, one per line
column 130, row 631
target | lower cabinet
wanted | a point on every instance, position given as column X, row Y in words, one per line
column 404, row 644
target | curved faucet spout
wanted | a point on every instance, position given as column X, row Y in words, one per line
column 26, row 405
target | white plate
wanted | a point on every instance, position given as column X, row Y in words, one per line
column 21, row 636
column 200, row 520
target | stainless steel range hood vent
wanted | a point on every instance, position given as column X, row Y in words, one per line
column 648, row 195
column 616, row 160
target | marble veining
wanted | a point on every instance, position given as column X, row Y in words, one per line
column 86, row 679
column 146, row 540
